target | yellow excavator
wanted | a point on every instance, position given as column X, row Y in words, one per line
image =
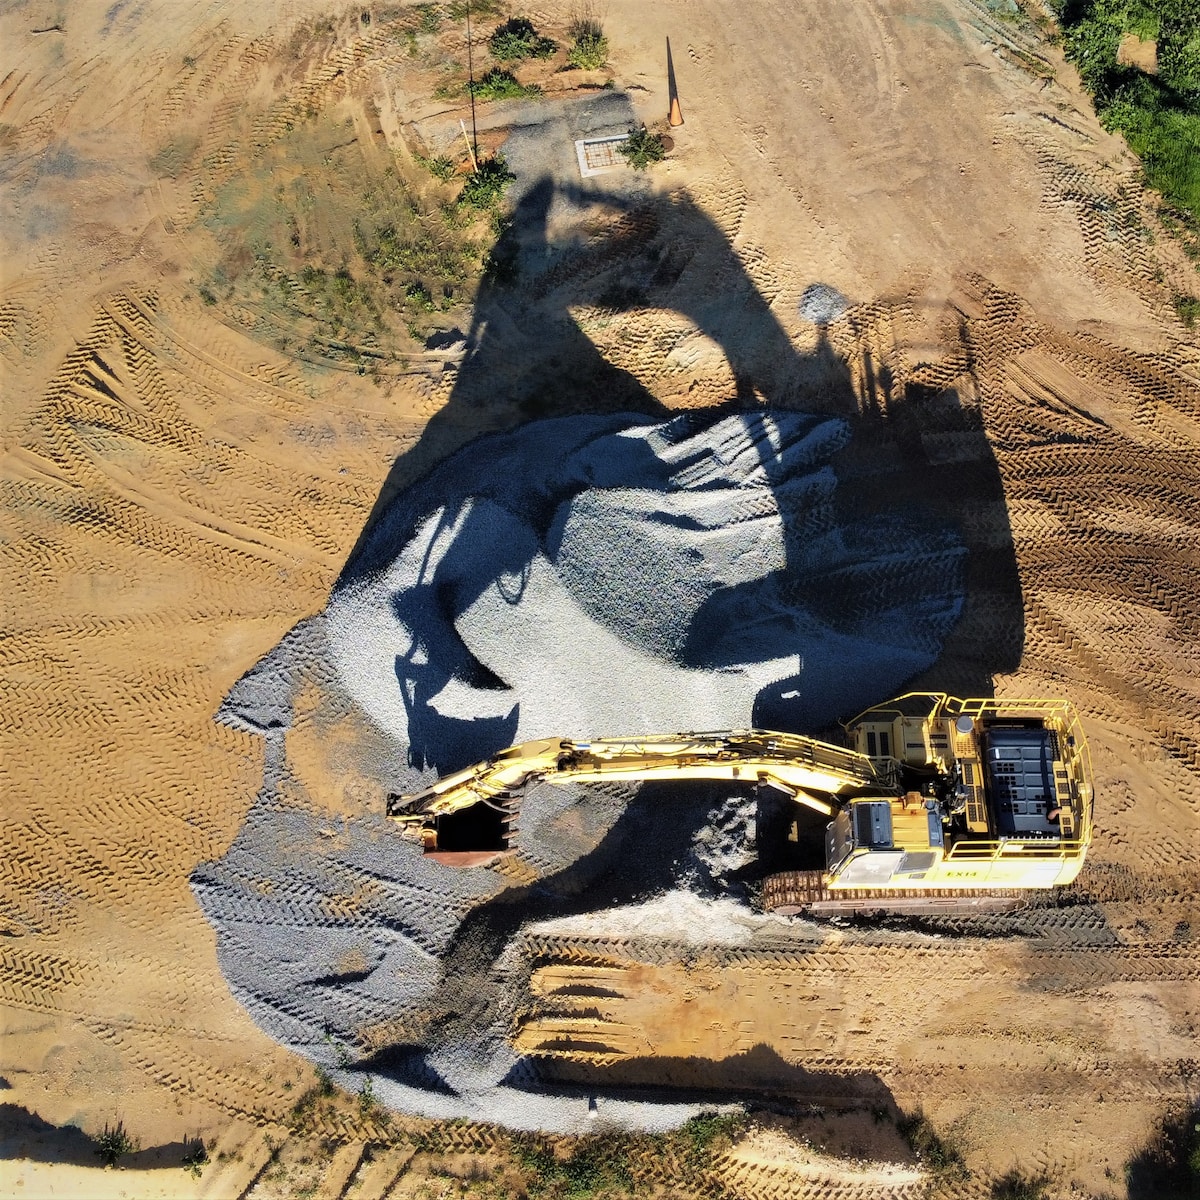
column 936, row 805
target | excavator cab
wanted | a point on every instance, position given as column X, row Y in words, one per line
column 988, row 794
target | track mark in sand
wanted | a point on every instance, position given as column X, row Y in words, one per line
column 1101, row 443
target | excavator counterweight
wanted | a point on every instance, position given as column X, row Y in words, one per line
column 936, row 804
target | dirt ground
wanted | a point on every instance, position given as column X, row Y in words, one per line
column 190, row 457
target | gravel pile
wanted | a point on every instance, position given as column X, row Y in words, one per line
column 582, row 576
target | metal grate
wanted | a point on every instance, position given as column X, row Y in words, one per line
column 597, row 156
column 977, row 820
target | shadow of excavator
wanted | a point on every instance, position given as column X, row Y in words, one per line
column 893, row 540
column 893, row 536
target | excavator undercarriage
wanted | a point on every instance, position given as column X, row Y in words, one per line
column 935, row 806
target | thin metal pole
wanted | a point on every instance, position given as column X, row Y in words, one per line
column 471, row 77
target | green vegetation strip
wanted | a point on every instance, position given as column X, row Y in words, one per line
column 1159, row 114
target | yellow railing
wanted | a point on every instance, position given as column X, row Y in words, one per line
column 974, row 851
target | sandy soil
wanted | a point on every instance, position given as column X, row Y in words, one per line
column 181, row 491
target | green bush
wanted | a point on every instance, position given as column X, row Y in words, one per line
column 641, row 148
column 485, row 186
column 498, row 84
column 517, row 40
column 589, row 46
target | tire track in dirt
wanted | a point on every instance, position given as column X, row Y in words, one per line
column 1115, row 476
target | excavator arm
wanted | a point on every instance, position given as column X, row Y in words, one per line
column 809, row 771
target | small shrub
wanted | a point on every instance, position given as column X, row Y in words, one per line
column 440, row 167
column 195, row 1158
column 485, row 186
column 113, row 1144
column 498, row 84
column 641, row 148
column 419, row 296
column 589, row 50
column 517, row 40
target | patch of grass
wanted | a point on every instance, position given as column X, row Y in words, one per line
column 326, row 257
column 641, row 148
column 706, row 1136
column 458, row 9
column 174, row 156
column 1169, row 1166
column 499, row 84
column 517, row 40
column 485, row 186
column 317, row 1103
column 1188, row 308
column 597, row 1166
column 345, row 302
column 313, row 35
column 939, row 1155
column 113, row 1144
column 429, row 18
column 1158, row 115
column 605, row 1165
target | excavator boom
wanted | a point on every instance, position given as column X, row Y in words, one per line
column 802, row 767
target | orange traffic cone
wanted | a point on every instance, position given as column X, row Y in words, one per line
column 676, row 117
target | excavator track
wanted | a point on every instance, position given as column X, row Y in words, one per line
column 792, row 893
